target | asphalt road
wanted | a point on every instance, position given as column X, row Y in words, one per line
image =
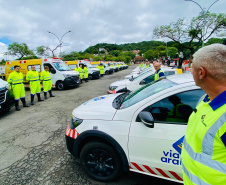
column 32, row 141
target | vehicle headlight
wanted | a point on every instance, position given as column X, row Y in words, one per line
column 113, row 87
column 75, row 122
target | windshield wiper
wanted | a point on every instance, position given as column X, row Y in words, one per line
column 119, row 99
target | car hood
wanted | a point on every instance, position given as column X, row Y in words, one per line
column 95, row 69
column 97, row 108
column 2, row 83
column 123, row 82
column 70, row 72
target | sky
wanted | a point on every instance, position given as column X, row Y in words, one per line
column 90, row 21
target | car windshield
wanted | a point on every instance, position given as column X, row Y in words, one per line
column 89, row 65
column 146, row 91
column 140, row 76
column 60, row 66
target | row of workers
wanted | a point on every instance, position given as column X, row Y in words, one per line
column 16, row 82
column 84, row 73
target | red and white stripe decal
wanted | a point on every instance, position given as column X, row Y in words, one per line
column 155, row 171
column 71, row 133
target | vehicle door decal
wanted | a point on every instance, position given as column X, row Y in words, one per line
column 178, row 145
column 156, row 171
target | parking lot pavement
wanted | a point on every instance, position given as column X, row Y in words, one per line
column 32, row 141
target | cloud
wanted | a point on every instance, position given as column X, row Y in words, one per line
column 3, row 49
column 91, row 21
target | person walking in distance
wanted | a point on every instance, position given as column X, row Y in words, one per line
column 204, row 146
column 35, row 86
column 46, row 82
column 16, row 81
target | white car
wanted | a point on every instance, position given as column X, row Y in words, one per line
column 133, row 84
column 134, row 74
column 134, row 131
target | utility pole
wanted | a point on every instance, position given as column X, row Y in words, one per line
column 204, row 13
column 60, row 40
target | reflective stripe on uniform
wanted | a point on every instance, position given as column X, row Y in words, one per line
column 192, row 177
column 205, row 157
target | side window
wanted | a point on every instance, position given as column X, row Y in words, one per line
column 72, row 66
column 49, row 65
column 167, row 73
column 37, row 68
column 176, row 108
column 149, row 79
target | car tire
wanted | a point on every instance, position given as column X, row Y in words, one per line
column 60, row 86
column 90, row 77
column 100, row 161
column 107, row 72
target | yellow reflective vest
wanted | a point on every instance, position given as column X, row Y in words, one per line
column 45, row 76
column 80, row 70
column 86, row 72
column 15, row 78
column 101, row 70
column 204, row 147
column 157, row 77
column 32, row 76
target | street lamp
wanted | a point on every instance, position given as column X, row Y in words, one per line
column 60, row 40
column 204, row 13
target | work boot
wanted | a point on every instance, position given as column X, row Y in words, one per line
column 17, row 105
column 32, row 99
column 81, row 81
column 50, row 93
column 45, row 95
column 39, row 97
column 24, row 102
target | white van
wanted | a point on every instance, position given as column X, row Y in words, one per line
column 134, row 131
column 61, row 74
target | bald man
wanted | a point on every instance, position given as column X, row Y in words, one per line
column 158, row 72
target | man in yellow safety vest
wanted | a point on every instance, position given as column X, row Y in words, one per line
column 204, row 146
column 81, row 74
column 35, row 86
column 16, row 81
column 86, row 73
column 158, row 72
column 46, row 82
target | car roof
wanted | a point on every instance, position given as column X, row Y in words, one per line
column 181, row 78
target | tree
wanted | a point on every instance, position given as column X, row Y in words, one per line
column 42, row 50
column 127, row 59
column 52, row 50
column 190, row 33
column 149, row 54
column 3, row 62
column 19, row 49
column 97, row 58
column 115, row 53
column 214, row 40
column 129, row 53
column 172, row 51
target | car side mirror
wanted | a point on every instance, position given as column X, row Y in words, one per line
column 52, row 70
column 147, row 119
column 142, row 82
